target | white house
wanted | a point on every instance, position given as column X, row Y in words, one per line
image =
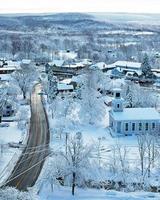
column 129, row 121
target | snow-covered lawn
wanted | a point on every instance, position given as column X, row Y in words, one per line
column 9, row 156
column 12, row 134
column 112, row 158
column 64, row 193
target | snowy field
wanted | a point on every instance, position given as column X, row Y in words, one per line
column 91, row 194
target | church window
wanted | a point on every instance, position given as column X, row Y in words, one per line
column 126, row 126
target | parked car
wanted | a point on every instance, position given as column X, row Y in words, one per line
column 4, row 125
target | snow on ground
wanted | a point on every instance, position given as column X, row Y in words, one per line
column 115, row 32
column 12, row 134
column 64, row 193
column 93, row 134
column 67, row 55
column 9, row 156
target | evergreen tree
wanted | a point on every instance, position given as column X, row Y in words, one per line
column 129, row 97
column 146, row 67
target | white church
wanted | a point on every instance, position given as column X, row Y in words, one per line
column 129, row 121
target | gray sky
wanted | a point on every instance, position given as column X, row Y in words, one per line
column 41, row 6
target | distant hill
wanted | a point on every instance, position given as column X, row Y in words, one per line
column 152, row 19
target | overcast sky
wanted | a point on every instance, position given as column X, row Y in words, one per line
column 42, row 6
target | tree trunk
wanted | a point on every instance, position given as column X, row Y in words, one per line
column 24, row 95
column 73, row 182
column 142, row 167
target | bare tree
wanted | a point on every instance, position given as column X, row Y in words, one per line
column 24, row 77
column 15, row 45
column 27, row 47
column 77, row 159
column 142, row 150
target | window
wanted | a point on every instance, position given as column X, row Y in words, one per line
column 153, row 125
column 118, row 94
column 126, row 126
column 111, row 124
column 133, row 126
column 140, row 126
column 146, row 127
column 117, row 105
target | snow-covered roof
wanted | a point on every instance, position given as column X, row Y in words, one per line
column 110, row 66
column 132, row 71
column 58, row 63
column 11, row 63
column 101, row 65
column 26, row 61
column 139, row 114
column 127, row 64
column 7, row 68
column 66, row 81
column 63, row 86
column 86, row 61
column 117, row 90
column 155, row 70
column 157, row 84
column 75, row 65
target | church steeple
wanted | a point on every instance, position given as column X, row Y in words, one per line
column 117, row 102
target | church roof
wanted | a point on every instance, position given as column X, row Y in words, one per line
column 136, row 114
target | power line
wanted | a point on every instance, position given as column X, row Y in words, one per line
column 26, row 170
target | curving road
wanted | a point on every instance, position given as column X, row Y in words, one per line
column 32, row 159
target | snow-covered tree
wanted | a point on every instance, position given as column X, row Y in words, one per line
column 129, row 97
column 8, row 94
column 22, row 116
column 92, row 106
column 68, row 166
column 133, row 97
column 24, row 77
column 10, row 193
column 142, row 151
column 53, row 173
column 119, row 164
column 145, row 66
column 131, row 94
column 52, row 86
column 76, row 160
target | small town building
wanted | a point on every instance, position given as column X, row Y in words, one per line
column 7, row 110
column 121, row 68
column 128, row 65
column 130, row 121
column 7, row 70
column 64, row 88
